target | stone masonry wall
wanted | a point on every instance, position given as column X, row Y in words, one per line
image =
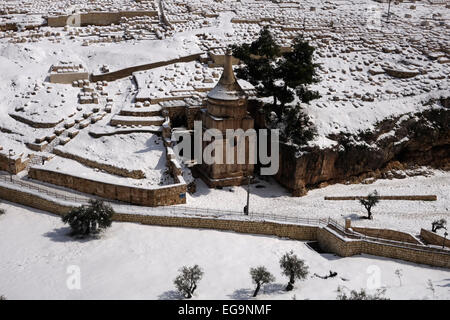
column 135, row 174
column 328, row 240
column 161, row 196
column 387, row 234
column 433, row 238
column 331, row 242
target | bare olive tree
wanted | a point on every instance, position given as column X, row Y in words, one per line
column 186, row 282
column 260, row 277
column 294, row 268
column 372, row 200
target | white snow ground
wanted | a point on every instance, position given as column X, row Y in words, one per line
column 133, row 261
column 407, row 216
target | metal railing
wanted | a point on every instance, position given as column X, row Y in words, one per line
column 43, row 190
column 181, row 210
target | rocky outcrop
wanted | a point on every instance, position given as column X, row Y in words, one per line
column 399, row 143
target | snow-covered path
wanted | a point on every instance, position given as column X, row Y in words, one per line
column 270, row 198
column 133, row 261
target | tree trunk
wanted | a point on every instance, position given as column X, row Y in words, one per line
column 258, row 286
column 289, row 287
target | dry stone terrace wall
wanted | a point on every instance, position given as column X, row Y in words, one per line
column 332, row 242
column 119, row 74
column 433, row 238
column 160, row 196
column 99, row 18
column 14, row 165
column 135, row 174
column 328, row 240
column 387, row 234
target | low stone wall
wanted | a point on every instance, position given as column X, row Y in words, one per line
column 160, row 196
column 68, row 78
column 328, row 240
column 332, row 242
column 14, row 166
column 387, row 234
column 408, row 198
column 119, row 74
column 32, row 200
column 295, row 232
column 97, row 18
column 433, row 238
column 39, row 125
column 135, row 174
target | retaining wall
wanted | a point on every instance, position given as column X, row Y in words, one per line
column 433, row 238
column 387, row 234
column 119, row 74
column 14, row 165
column 97, row 18
column 135, row 174
column 160, row 196
column 329, row 240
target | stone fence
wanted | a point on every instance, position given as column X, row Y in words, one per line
column 96, row 18
column 126, row 72
column 123, row 172
column 13, row 165
column 408, row 198
column 387, row 234
column 433, row 238
column 328, row 239
column 158, row 196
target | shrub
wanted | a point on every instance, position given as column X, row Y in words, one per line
column 89, row 220
column 187, row 281
column 361, row 295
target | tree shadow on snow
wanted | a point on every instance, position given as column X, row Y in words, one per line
column 354, row 216
column 247, row 294
column 63, row 235
column 242, row 294
column 171, row 295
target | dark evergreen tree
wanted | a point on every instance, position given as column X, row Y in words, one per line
column 89, row 220
column 186, row 282
column 298, row 127
column 294, row 268
column 260, row 277
column 283, row 76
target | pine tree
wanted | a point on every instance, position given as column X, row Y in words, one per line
column 282, row 76
column 298, row 127
column 89, row 220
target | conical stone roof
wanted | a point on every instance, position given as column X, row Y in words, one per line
column 228, row 88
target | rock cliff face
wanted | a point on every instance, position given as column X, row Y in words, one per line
column 405, row 142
